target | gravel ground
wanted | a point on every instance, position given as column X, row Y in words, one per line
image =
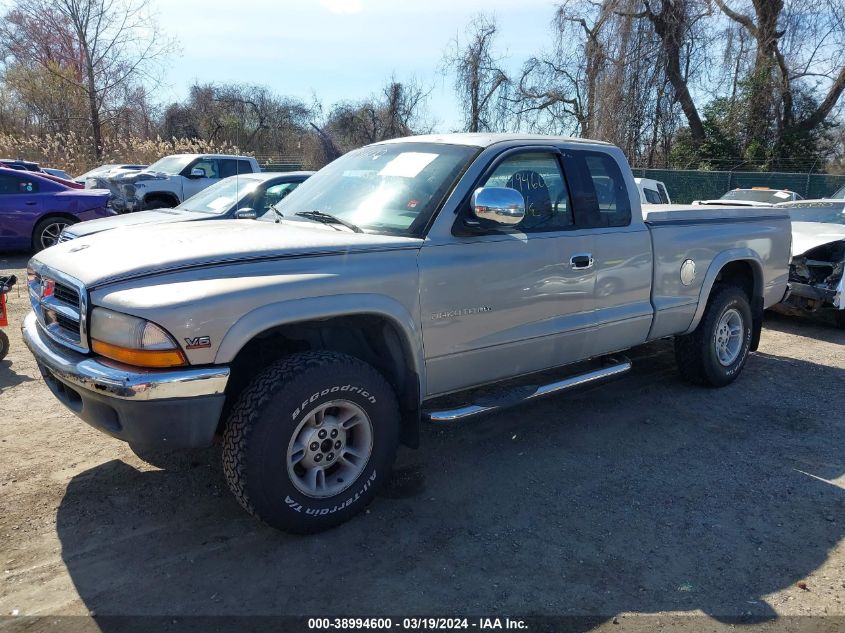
column 644, row 496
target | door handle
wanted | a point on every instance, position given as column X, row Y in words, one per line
column 581, row 261
column 30, row 203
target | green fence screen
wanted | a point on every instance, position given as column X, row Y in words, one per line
column 684, row 186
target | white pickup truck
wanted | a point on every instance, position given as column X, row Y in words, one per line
column 173, row 179
column 312, row 340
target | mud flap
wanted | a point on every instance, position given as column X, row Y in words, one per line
column 756, row 322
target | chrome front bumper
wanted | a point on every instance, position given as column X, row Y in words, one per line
column 174, row 408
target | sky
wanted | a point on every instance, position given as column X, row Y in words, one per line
column 338, row 49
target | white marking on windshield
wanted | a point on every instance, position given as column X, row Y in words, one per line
column 407, row 164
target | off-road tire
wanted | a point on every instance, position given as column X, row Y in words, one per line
column 266, row 415
column 840, row 319
column 4, row 345
column 50, row 223
column 695, row 353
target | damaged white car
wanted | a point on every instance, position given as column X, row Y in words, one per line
column 816, row 277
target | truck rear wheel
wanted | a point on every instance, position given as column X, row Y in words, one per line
column 310, row 440
column 4, row 345
column 715, row 352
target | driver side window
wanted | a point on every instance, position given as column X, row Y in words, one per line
column 537, row 176
column 275, row 194
column 208, row 166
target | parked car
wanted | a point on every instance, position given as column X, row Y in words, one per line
column 315, row 339
column 34, row 210
column 173, row 179
column 59, row 173
column 652, row 191
column 19, row 165
column 754, row 197
column 23, row 165
column 97, row 178
column 62, row 181
column 816, row 279
column 244, row 197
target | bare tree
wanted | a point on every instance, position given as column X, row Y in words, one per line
column 399, row 110
column 249, row 116
column 99, row 47
column 480, row 82
column 672, row 22
column 797, row 51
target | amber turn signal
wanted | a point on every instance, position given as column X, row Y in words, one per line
column 140, row 358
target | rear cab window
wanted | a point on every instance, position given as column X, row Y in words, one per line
column 652, row 196
column 600, row 195
column 234, row 167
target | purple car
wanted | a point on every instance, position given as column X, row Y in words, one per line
column 34, row 210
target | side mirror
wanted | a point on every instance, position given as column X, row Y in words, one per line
column 246, row 214
column 501, row 205
column 197, row 172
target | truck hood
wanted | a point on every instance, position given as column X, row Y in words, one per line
column 809, row 235
column 160, row 216
column 154, row 248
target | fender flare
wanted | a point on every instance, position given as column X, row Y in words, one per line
column 294, row 311
column 716, row 265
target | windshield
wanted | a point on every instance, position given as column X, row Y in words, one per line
column 97, row 171
column 819, row 212
column 770, row 196
column 171, row 165
column 389, row 188
column 221, row 196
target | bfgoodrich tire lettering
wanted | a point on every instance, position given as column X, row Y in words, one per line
column 270, row 414
column 697, row 353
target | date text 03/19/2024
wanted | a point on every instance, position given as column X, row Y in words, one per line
column 416, row 623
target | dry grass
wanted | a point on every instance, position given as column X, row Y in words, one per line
column 72, row 152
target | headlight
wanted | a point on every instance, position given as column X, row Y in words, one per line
column 133, row 341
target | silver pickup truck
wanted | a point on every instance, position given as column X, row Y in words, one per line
column 312, row 341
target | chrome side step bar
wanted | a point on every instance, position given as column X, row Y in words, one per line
column 525, row 394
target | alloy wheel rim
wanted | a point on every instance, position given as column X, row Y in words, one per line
column 329, row 449
column 50, row 234
column 727, row 340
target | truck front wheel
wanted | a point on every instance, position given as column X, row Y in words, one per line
column 310, row 440
column 715, row 352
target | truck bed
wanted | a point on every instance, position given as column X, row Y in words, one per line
column 707, row 235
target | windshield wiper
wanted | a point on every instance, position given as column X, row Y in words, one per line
column 278, row 213
column 328, row 218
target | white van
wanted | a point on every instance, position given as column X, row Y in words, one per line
column 652, row 191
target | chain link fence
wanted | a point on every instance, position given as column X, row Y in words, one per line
column 684, row 186
column 279, row 163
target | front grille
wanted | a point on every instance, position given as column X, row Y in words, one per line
column 64, row 236
column 66, row 294
column 59, row 302
column 68, row 324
